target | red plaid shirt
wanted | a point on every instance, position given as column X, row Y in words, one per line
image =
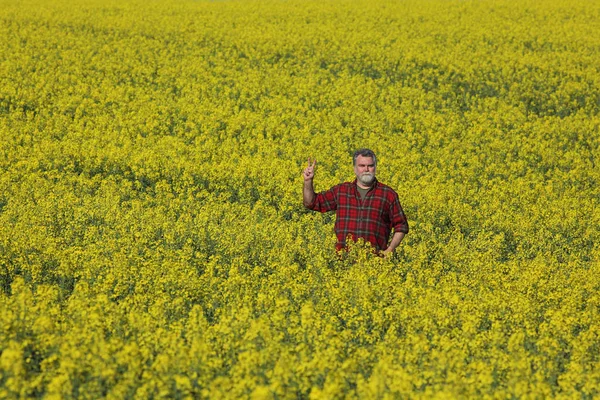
column 371, row 219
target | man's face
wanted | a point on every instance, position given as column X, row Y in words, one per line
column 364, row 169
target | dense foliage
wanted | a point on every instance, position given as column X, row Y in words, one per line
column 153, row 241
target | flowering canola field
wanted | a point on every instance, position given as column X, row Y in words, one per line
column 153, row 241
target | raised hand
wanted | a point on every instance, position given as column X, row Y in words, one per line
column 309, row 171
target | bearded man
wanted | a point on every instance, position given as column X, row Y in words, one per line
column 365, row 208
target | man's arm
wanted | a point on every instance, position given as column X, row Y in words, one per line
column 308, row 192
column 321, row 202
column 399, row 223
column 396, row 239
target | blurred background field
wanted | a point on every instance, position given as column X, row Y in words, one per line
column 153, row 241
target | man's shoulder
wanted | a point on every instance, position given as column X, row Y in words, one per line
column 345, row 187
column 386, row 189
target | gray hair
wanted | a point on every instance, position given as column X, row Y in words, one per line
column 364, row 153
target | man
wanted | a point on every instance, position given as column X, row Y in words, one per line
column 365, row 208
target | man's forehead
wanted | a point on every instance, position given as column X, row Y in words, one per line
column 364, row 160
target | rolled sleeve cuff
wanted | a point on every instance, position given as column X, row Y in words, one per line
column 401, row 228
column 312, row 204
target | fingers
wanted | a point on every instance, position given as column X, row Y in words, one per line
column 309, row 171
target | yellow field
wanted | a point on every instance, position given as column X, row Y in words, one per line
column 153, row 241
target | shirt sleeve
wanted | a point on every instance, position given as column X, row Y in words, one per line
column 325, row 201
column 398, row 218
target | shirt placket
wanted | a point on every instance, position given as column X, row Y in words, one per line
column 362, row 218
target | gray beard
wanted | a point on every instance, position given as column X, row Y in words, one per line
column 366, row 179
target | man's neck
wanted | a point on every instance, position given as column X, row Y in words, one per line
column 363, row 186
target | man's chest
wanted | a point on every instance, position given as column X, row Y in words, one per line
column 371, row 206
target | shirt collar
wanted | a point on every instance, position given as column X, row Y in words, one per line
column 355, row 185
